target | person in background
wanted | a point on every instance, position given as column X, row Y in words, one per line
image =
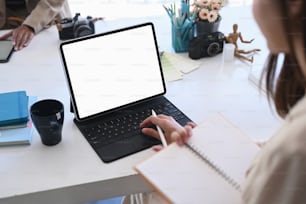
column 28, row 17
column 277, row 174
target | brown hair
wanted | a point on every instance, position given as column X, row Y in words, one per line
column 288, row 87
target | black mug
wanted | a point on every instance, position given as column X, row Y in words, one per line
column 48, row 118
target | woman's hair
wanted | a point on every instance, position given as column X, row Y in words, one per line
column 288, row 87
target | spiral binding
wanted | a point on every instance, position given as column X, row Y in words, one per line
column 200, row 154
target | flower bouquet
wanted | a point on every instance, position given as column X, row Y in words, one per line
column 207, row 15
column 207, row 10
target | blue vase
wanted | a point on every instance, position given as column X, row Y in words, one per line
column 181, row 36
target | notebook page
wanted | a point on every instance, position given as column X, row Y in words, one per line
column 182, row 62
column 183, row 177
column 169, row 70
column 225, row 146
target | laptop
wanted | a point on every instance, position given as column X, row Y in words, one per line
column 115, row 79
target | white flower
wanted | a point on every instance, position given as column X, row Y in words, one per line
column 212, row 16
column 214, row 2
column 204, row 14
column 202, row 3
column 223, row 2
column 215, row 7
column 207, row 10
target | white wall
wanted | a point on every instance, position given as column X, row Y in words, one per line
column 128, row 8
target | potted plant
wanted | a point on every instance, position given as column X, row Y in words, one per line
column 207, row 15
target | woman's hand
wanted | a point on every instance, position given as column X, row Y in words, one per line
column 21, row 36
column 173, row 131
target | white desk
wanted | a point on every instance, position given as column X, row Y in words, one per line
column 71, row 172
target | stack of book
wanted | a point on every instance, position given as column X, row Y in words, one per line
column 15, row 123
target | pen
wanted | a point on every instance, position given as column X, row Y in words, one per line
column 160, row 132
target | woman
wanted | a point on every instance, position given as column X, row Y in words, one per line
column 28, row 17
column 278, row 173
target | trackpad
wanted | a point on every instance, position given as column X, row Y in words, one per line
column 126, row 147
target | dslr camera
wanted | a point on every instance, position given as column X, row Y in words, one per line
column 206, row 45
column 69, row 28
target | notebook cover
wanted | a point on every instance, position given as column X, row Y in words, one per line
column 14, row 125
column 18, row 136
column 13, row 108
column 210, row 168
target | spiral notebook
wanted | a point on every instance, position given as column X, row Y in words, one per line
column 210, row 168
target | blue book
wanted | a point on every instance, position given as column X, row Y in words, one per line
column 13, row 108
column 18, row 136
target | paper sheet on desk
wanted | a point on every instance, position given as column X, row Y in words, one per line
column 175, row 65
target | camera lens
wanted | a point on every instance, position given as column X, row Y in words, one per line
column 82, row 30
column 213, row 49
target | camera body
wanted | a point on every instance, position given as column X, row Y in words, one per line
column 206, row 45
column 69, row 28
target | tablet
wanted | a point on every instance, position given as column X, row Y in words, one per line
column 6, row 50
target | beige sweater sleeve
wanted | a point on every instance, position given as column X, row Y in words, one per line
column 278, row 173
column 277, row 180
column 43, row 12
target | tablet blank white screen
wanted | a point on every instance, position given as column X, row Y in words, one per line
column 113, row 70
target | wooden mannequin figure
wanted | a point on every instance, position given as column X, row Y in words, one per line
column 233, row 38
